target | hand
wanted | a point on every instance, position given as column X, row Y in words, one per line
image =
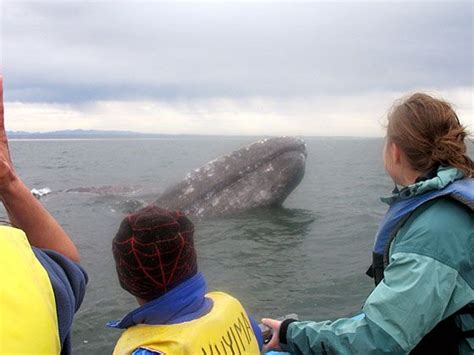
column 7, row 173
column 274, row 343
column 25, row 211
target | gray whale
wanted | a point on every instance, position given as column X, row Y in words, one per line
column 261, row 174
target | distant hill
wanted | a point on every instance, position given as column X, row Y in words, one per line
column 81, row 133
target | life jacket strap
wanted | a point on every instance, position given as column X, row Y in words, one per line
column 375, row 270
column 381, row 261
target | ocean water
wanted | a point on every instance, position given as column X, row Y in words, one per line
column 308, row 257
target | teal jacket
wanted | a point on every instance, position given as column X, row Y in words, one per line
column 430, row 276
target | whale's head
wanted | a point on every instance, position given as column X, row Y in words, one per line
column 261, row 174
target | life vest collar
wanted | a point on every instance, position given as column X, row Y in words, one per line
column 462, row 190
column 181, row 304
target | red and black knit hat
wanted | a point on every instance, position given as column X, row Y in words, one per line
column 154, row 252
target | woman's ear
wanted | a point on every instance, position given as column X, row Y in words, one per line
column 395, row 153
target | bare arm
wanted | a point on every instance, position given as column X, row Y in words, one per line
column 24, row 210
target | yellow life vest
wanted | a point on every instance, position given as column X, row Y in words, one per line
column 225, row 329
column 28, row 318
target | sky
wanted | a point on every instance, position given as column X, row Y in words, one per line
column 240, row 68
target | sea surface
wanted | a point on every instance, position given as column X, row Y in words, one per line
column 308, row 257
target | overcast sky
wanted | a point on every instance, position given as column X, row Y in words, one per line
column 316, row 68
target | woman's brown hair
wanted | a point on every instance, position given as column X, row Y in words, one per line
column 429, row 133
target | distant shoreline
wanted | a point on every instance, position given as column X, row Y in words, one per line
column 175, row 138
column 82, row 134
column 85, row 135
column 92, row 139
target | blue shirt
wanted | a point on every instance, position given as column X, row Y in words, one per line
column 68, row 281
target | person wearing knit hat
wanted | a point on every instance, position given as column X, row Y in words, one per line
column 156, row 262
column 154, row 251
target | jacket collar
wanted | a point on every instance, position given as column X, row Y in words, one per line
column 181, row 304
column 444, row 176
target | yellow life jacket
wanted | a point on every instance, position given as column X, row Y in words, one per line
column 225, row 329
column 28, row 318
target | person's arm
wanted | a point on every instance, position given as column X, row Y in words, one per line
column 24, row 210
column 404, row 307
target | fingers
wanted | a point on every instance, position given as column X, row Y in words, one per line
column 272, row 323
column 274, row 343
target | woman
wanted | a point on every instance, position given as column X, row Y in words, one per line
column 423, row 262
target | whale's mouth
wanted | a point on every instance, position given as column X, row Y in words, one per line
column 278, row 162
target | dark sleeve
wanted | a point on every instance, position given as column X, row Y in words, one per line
column 68, row 280
column 283, row 329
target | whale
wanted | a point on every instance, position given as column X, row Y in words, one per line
column 261, row 174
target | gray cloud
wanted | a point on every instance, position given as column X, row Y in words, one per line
column 79, row 52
